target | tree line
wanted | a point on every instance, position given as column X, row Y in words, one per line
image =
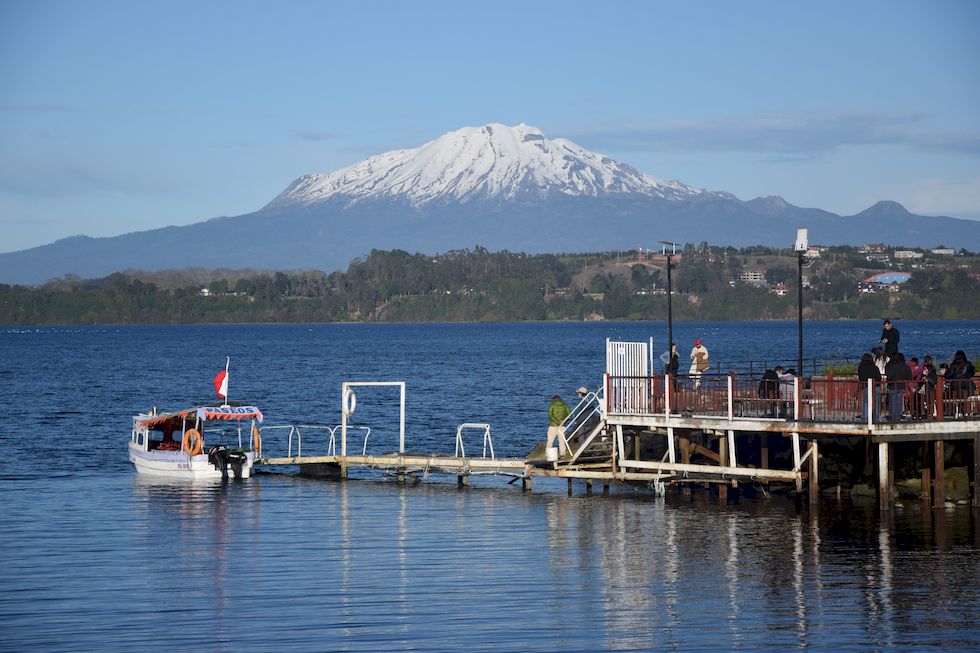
column 479, row 285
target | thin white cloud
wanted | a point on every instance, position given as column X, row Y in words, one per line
column 959, row 198
column 312, row 135
column 787, row 135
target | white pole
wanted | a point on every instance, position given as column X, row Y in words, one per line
column 796, row 399
column 227, row 380
column 731, row 401
column 343, row 419
column 401, row 422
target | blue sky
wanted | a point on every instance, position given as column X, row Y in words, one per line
column 124, row 116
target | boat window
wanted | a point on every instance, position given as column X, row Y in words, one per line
column 139, row 438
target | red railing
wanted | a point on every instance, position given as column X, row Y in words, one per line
column 829, row 399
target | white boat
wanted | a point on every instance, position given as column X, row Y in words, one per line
column 173, row 444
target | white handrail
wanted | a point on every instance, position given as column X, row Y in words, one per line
column 589, row 402
column 487, row 440
column 297, row 429
column 366, row 436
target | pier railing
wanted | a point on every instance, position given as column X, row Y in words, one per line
column 818, row 399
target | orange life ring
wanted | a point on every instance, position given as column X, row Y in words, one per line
column 256, row 439
column 195, row 435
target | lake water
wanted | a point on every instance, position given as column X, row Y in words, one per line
column 98, row 559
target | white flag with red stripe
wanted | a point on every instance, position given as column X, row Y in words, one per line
column 221, row 383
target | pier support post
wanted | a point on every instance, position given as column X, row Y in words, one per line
column 732, row 461
column 569, row 487
column 976, row 472
column 462, row 480
column 526, row 484
column 884, row 489
column 670, row 445
column 814, row 479
column 588, row 486
column 926, row 494
column 343, row 469
column 939, row 488
column 796, row 459
column 684, row 444
column 723, row 462
column 605, row 486
column 764, row 452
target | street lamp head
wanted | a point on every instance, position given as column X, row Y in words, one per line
column 801, row 240
column 671, row 244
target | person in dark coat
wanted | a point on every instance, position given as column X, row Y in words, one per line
column 867, row 370
column 769, row 389
column 889, row 338
column 928, row 378
column 674, row 362
column 960, row 378
column 899, row 377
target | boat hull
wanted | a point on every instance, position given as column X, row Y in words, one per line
column 177, row 464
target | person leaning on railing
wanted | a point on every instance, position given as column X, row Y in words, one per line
column 960, row 377
column 867, row 370
column 899, row 377
column 926, row 391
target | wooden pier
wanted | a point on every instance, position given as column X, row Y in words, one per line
column 720, row 430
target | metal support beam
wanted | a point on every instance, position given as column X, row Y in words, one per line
column 939, row 491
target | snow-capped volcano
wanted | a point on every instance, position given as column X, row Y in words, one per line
column 482, row 163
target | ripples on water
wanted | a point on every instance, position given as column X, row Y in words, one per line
column 99, row 559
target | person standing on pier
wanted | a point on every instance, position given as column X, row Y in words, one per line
column 673, row 364
column 557, row 412
column 867, row 370
column 899, row 376
column 699, row 362
column 889, row 338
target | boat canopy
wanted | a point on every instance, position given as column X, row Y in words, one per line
column 205, row 413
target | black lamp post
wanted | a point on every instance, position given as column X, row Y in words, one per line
column 801, row 247
column 670, row 292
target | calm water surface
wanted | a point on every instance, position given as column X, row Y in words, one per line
column 100, row 559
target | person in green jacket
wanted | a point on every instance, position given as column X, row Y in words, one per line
column 557, row 412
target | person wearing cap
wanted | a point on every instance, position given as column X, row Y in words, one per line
column 581, row 392
column 557, row 412
column 699, row 362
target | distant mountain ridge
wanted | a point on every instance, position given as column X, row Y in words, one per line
column 496, row 186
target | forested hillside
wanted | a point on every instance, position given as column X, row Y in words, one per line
column 479, row 285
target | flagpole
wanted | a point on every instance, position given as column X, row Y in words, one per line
column 227, row 380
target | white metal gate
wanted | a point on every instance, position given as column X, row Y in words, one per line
column 628, row 368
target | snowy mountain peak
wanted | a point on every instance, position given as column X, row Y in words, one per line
column 482, row 163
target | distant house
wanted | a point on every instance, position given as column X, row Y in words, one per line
column 875, row 248
column 907, row 254
column 814, row 251
column 205, row 292
column 753, row 277
column 880, row 258
column 889, row 281
column 944, row 251
column 780, row 289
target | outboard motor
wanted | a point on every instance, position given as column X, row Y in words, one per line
column 218, row 456
column 237, row 461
